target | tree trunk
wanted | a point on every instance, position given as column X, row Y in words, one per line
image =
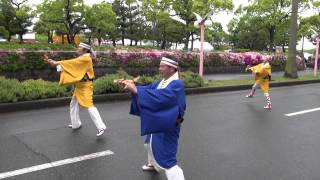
column 291, row 65
column 163, row 44
column 192, row 39
column 271, row 37
column 122, row 38
column 99, row 41
column 114, row 42
column 20, row 38
column 186, row 42
column 302, row 46
column 48, row 36
column 89, row 39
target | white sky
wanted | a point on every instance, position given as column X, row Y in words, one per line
column 223, row 17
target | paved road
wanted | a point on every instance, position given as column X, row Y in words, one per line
column 225, row 137
column 227, row 76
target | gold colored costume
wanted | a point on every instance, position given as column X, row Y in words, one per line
column 73, row 72
column 262, row 73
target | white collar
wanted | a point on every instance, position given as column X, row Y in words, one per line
column 164, row 83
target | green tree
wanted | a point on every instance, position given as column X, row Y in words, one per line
column 185, row 9
column 168, row 30
column 271, row 13
column 69, row 13
column 3, row 32
column 16, row 17
column 217, row 35
column 121, row 11
column 100, row 19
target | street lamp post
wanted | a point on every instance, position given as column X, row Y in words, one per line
column 315, row 69
column 202, row 28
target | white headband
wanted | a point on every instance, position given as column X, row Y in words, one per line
column 85, row 46
column 169, row 62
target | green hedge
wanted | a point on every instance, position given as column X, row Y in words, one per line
column 12, row 90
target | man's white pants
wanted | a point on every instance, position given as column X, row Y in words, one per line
column 173, row 173
column 93, row 112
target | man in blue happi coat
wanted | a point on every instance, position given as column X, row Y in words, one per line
column 161, row 106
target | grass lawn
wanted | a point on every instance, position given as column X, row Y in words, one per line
column 234, row 82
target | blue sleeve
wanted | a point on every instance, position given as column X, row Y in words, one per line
column 135, row 109
column 160, row 108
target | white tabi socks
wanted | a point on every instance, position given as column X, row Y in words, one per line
column 268, row 98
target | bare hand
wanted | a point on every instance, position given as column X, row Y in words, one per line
column 50, row 61
column 247, row 68
column 126, row 84
column 130, row 86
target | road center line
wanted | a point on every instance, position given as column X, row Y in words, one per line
column 303, row 112
column 54, row 164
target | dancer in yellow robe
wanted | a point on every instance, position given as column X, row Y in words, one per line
column 79, row 72
column 262, row 74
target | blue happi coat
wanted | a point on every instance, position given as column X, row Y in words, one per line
column 158, row 110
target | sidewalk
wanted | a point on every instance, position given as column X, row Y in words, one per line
column 233, row 76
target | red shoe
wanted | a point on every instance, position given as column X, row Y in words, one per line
column 148, row 167
column 268, row 106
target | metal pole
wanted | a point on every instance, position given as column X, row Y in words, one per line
column 316, row 59
column 201, row 49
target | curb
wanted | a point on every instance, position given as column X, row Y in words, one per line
column 64, row 101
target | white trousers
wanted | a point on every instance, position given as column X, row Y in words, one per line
column 173, row 173
column 93, row 112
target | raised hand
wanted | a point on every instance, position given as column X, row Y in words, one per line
column 247, row 68
column 127, row 84
column 49, row 61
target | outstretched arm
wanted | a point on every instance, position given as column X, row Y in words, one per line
column 50, row 61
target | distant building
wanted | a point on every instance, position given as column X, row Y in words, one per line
column 196, row 46
column 63, row 39
column 2, row 39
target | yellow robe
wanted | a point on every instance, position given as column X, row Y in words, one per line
column 262, row 73
column 73, row 71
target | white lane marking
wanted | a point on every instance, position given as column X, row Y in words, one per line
column 303, row 112
column 54, row 164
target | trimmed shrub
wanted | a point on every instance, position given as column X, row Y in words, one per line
column 105, row 84
column 192, row 80
column 12, row 90
column 40, row 89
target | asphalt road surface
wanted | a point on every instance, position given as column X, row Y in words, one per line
column 248, row 75
column 225, row 136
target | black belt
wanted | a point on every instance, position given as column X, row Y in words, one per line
column 85, row 80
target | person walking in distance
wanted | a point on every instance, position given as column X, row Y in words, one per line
column 262, row 75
